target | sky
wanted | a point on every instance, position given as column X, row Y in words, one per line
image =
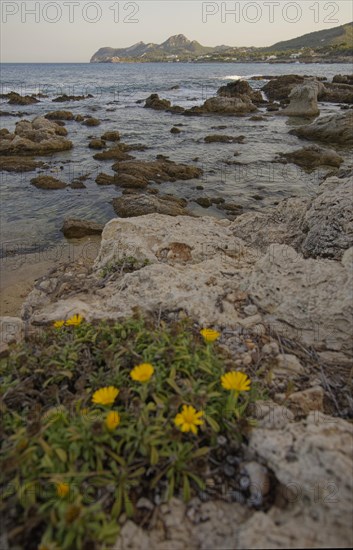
column 71, row 31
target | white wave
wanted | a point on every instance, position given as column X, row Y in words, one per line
column 232, row 77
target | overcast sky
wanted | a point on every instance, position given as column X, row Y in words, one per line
column 72, row 30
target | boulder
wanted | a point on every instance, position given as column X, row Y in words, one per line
column 111, row 136
column 39, row 137
column 343, row 79
column 91, row 121
column 303, row 100
column 240, row 88
column 138, row 205
column 336, row 128
column 337, row 93
column 17, row 99
column 154, row 102
column 76, row 229
column 47, row 182
column 97, row 144
column 313, row 156
column 59, row 115
column 228, row 105
column 279, row 88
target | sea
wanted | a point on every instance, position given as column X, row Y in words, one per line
column 244, row 173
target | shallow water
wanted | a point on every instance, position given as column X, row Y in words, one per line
column 31, row 218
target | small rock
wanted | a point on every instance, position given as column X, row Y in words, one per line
column 303, row 402
column 250, row 321
column 288, row 364
column 111, row 136
column 91, row 122
column 175, row 130
column 145, row 503
column 250, row 310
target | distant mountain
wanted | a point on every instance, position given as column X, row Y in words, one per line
column 177, row 45
column 342, row 35
column 330, row 44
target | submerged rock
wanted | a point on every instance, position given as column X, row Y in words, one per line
column 19, row 164
column 218, row 138
column 64, row 98
column 156, row 171
column 76, row 229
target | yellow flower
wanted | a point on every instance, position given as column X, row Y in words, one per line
column 209, row 334
column 59, row 324
column 112, row 420
column 142, row 373
column 188, row 419
column 105, row 396
column 235, row 381
column 74, row 321
column 62, row 489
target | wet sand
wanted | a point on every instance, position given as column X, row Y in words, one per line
column 19, row 273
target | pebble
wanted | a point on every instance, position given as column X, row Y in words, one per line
column 231, row 459
column 244, row 483
column 270, row 349
column 221, row 440
column 250, row 310
column 145, row 503
column 249, row 322
column 229, row 470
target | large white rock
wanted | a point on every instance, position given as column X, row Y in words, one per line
column 303, row 100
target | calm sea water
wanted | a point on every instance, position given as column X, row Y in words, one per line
column 31, row 218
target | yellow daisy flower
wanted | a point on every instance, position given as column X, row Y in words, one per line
column 210, row 335
column 75, row 320
column 142, row 373
column 188, row 419
column 235, row 381
column 62, row 489
column 59, row 324
column 105, row 396
column 112, row 420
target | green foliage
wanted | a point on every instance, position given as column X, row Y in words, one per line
column 127, row 264
column 53, row 434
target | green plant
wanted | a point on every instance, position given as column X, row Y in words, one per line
column 69, row 471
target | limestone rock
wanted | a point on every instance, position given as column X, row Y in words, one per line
column 320, row 314
column 279, row 88
column 303, row 402
column 303, row 100
column 335, row 128
column 39, row 137
column 139, row 205
column 313, row 156
column 76, row 229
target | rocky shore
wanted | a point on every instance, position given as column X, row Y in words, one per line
column 277, row 285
